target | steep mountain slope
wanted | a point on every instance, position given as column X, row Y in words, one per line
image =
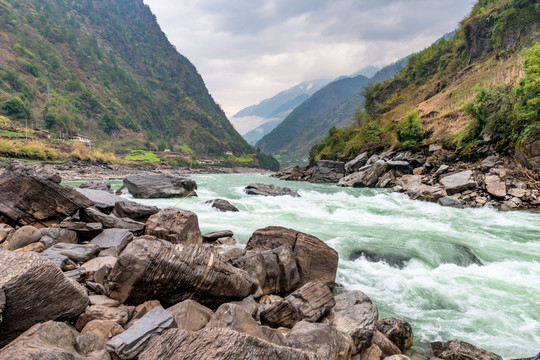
column 333, row 105
column 106, row 70
column 462, row 93
column 274, row 109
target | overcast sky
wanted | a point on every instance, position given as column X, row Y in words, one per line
column 249, row 50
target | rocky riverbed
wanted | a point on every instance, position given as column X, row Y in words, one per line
column 85, row 274
column 435, row 175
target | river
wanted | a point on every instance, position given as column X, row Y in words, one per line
column 468, row 274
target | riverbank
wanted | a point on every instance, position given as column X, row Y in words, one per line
column 485, row 179
column 90, row 170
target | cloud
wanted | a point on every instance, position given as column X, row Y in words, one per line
column 248, row 50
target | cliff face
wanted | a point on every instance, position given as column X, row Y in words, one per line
column 105, row 69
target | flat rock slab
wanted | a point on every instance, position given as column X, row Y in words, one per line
column 458, row 182
column 117, row 238
column 311, row 302
column 78, row 253
column 111, row 221
column 159, row 270
column 316, row 261
column 218, row 344
column 102, row 199
column 159, row 186
column 97, row 185
column 131, row 342
column 36, row 290
column 269, row 190
column 133, row 210
column 27, row 198
column 213, row 236
column 85, row 231
column 53, row 236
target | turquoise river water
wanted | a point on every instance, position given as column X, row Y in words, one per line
column 468, row 274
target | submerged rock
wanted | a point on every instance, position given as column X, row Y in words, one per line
column 97, row 185
column 222, row 205
column 159, row 186
column 269, row 190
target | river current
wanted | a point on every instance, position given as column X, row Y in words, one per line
column 468, row 274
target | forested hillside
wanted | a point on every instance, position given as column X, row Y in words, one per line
column 104, row 69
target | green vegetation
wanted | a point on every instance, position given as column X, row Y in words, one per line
column 15, row 108
column 409, row 130
column 527, row 106
column 31, row 150
column 143, row 156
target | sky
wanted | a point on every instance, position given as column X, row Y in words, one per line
column 249, row 50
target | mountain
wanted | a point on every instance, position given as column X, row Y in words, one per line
column 333, row 105
column 475, row 89
column 104, row 69
column 260, row 118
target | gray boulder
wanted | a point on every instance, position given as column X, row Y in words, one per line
column 175, row 225
column 36, row 291
column 159, row 270
column 29, row 196
column 222, row 205
column 458, row 182
column 327, row 171
column 213, row 236
column 356, row 163
column 269, row 190
column 450, row 202
column 85, row 231
column 78, row 253
column 159, row 186
column 275, row 270
column 133, row 210
column 110, row 221
column 131, row 342
column 367, row 176
column 396, row 330
column 103, row 200
column 315, row 260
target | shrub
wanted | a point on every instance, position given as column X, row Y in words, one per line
column 409, row 131
column 16, row 108
column 527, row 107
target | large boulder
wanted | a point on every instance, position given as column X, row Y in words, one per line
column 175, row 225
column 218, row 344
column 222, row 205
column 356, row 163
column 47, row 341
column 28, row 196
column 311, row 302
column 269, row 190
column 354, row 314
column 275, row 270
column 367, row 176
column 36, row 290
column 458, row 182
column 316, row 261
column 327, row 342
column 190, row 315
column 457, row 349
column 131, row 342
column 412, row 185
column 495, row 186
column 327, row 171
column 157, row 269
column 159, row 186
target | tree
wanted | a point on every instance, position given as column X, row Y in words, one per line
column 527, row 107
column 409, row 130
column 15, row 108
column 108, row 124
